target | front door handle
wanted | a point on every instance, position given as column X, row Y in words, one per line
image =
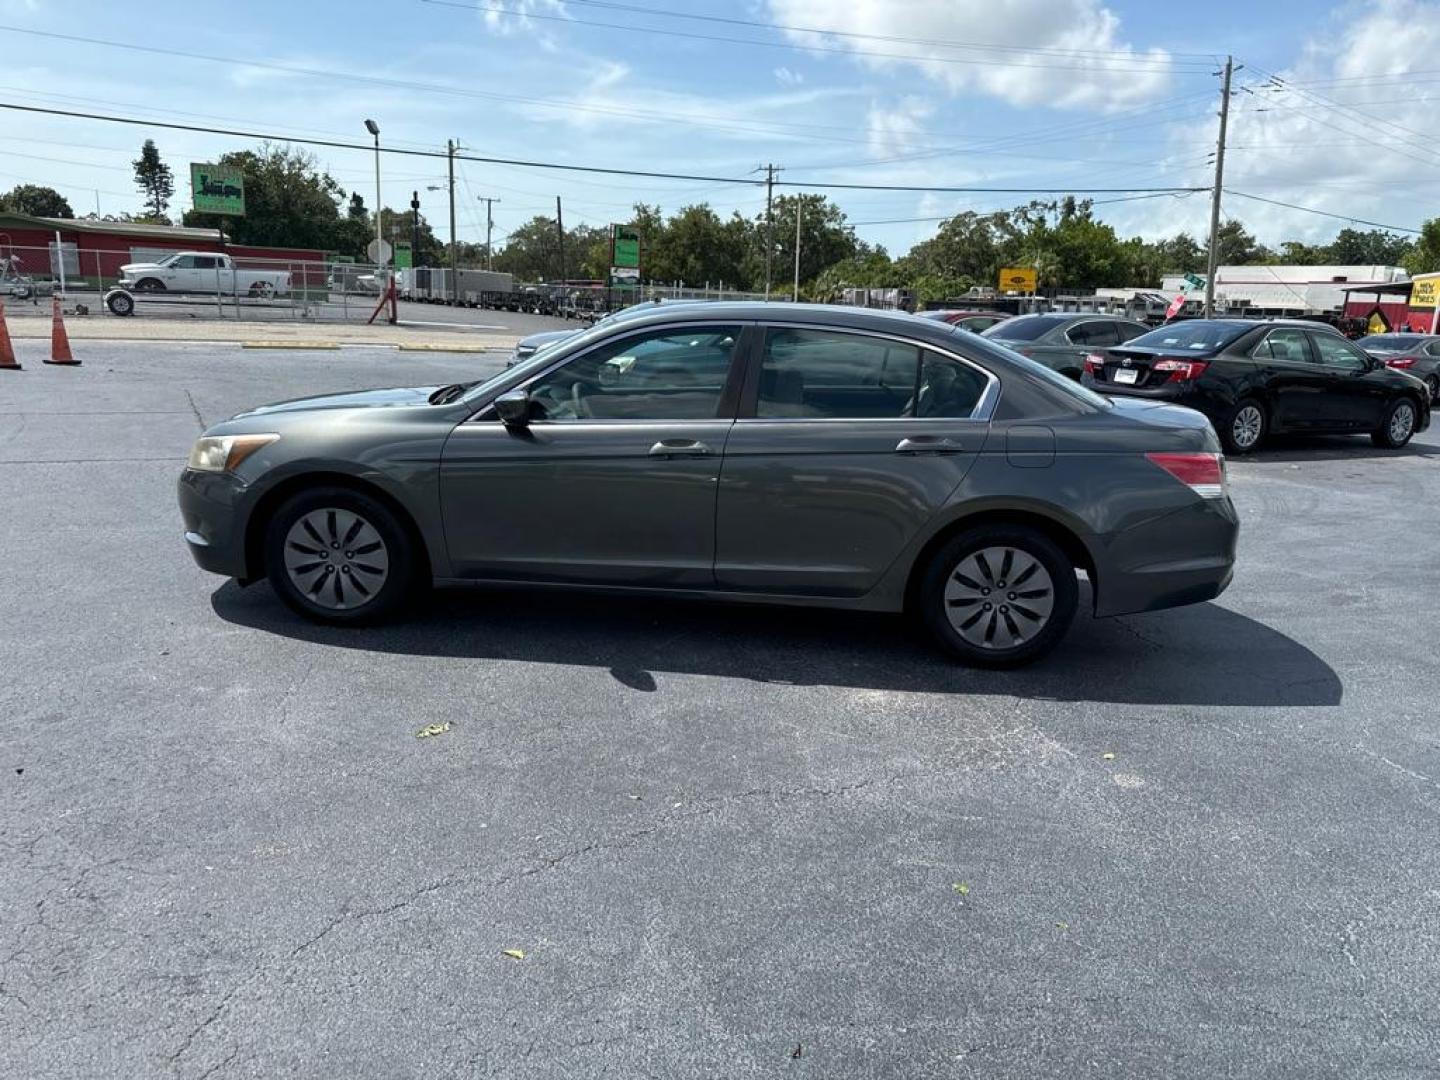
column 679, row 448
column 927, row 444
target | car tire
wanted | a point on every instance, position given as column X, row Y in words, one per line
column 120, row 303
column 1244, row 427
column 306, row 540
column 1398, row 426
column 150, row 284
column 985, row 620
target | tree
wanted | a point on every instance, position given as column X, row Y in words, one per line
column 1351, row 247
column 1236, row 247
column 825, row 238
column 154, row 179
column 1424, row 254
column 289, row 201
column 36, row 201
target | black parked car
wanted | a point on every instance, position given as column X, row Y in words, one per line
column 1414, row 354
column 1061, row 340
column 1255, row 378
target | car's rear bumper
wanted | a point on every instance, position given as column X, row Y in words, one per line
column 1184, row 557
column 212, row 509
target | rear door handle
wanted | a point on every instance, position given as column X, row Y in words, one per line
column 679, row 448
column 927, row 444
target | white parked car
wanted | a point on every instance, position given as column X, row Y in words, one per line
column 202, row 272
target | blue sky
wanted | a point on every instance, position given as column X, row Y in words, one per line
column 994, row 93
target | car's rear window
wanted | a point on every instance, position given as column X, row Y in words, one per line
column 1398, row 342
column 1023, row 328
column 1196, row 335
column 979, row 343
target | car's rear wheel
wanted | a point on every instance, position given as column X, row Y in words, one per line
column 998, row 595
column 1398, row 426
column 339, row 556
column 1244, row 428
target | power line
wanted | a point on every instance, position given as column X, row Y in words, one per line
column 1323, row 213
column 520, row 163
column 1133, row 63
column 1206, row 59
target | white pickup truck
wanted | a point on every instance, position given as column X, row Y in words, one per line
column 202, row 272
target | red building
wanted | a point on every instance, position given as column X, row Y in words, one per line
column 99, row 248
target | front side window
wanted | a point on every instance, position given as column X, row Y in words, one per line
column 669, row 374
column 823, row 374
column 1287, row 346
column 184, row 262
column 1336, row 352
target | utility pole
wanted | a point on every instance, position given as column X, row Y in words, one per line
column 489, row 252
column 1215, row 195
column 795, row 296
column 770, row 171
column 451, row 146
column 560, row 232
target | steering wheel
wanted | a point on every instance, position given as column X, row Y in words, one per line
column 582, row 407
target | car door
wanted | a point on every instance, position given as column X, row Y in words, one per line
column 1294, row 383
column 1352, row 401
column 847, row 444
column 613, row 481
column 180, row 275
column 203, row 276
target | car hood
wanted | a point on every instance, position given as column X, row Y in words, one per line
column 545, row 337
column 140, row 266
column 362, row 399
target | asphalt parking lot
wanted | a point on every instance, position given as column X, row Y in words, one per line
column 728, row 841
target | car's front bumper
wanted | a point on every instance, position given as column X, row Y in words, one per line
column 212, row 507
column 1184, row 557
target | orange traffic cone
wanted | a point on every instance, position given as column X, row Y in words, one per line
column 59, row 342
column 7, row 350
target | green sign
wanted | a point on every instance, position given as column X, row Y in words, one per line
column 625, row 246
column 403, row 260
column 1195, row 281
column 218, row 189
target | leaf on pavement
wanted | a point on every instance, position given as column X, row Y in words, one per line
column 961, row 888
column 514, row 954
column 430, row 730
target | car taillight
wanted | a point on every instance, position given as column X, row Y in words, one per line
column 1203, row 473
column 1181, row 370
column 1401, row 362
column 1094, row 364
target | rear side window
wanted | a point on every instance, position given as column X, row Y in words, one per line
column 822, row 374
column 947, row 388
column 1287, row 346
column 1023, row 328
column 1093, row 333
column 1195, row 336
column 1130, row 330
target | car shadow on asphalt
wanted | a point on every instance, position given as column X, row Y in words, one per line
column 1199, row 655
column 1300, row 448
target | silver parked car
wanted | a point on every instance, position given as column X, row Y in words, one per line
column 773, row 452
column 1061, row 340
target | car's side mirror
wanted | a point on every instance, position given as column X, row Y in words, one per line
column 514, row 408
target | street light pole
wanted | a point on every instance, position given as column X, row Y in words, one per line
column 374, row 130
column 489, row 252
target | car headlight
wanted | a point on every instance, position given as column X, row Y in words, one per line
column 224, row 453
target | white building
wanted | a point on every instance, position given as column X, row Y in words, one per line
column 1288, row 288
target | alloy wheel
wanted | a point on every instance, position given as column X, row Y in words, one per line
column 336, row 559
column 1402, row 422
column 999, row 598
column 1246, row 427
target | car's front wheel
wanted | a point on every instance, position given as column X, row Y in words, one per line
column 998, row 595
column 1397, row 427
column 339, row 556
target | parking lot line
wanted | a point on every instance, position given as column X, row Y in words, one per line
column 281, row 344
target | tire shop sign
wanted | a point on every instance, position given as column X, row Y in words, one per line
column 218, row 189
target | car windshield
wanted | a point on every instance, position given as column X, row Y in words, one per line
column 1060, row 382
column 1196, row 335
column 1391, row 342
column 1024, row 328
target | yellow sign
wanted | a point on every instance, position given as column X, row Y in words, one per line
column 1425, row 291
column 1017, row 279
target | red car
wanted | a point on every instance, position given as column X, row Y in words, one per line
column 974, row 321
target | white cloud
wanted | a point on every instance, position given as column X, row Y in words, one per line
column 1356, row 147
column 898, row 129
column 785, row 77
column 1099, row 72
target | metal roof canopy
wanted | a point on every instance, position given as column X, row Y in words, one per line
column 1388, row 288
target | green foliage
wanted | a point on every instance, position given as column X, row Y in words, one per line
column 154, row 178
column 36, row 201
column 1424, row 254
column 289, row 202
